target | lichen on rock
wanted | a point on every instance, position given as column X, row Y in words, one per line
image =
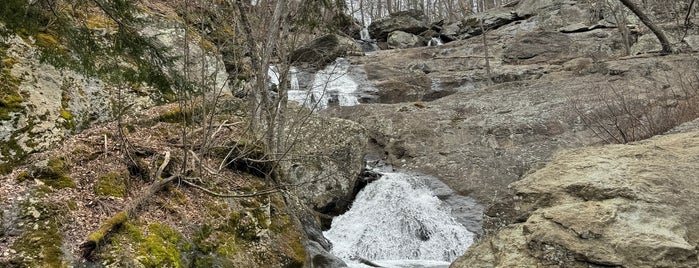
column 40, row 241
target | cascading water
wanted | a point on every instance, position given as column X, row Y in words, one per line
column 368, row 44
column 435, row 41
column 334, row 85
column 397, row 221
column 331, row 86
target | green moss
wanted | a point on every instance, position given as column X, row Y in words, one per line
column 55, row 174
column 241, row 225
column 115, row 221
column 12, row 154
column 10, row 99
column 162, row 247
column 69, row 122
column 39, row 244
column 23, row 176
column 111, row 184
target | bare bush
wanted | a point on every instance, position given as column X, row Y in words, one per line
column 622, row 115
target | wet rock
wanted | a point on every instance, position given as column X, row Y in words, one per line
column 320, row 258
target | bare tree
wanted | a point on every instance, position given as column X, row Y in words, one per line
column 664, row 42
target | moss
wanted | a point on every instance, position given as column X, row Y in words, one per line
column 39, row 244
column 10, row 99
column 162, row 247
column 46, row 40
column 23, row 176
column 55, row 174
column 99, row 22
column 114, row 222
column 69, row 121
column 111, row 184
column 12, row 154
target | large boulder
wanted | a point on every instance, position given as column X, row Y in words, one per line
column 613, row 206
column 400, row 39
column 325, row 159
column 325, row 50
column 411, row 21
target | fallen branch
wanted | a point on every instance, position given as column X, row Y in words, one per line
column 265, row 192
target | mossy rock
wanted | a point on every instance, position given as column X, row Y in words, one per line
column 55, row 174
column 39, row 244
column 10, row 99
column 12, row 155
column 111, row 184
column 162, row 247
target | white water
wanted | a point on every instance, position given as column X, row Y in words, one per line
column 364, row 34
column 331, row 86
column 397, row 221
column 435, row 41
column 334, row 85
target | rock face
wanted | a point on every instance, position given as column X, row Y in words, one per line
column 59, row 100
column 411, row 21
column 325, row 160
column 400, row 39
column 619, row 205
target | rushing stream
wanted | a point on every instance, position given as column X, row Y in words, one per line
column 398, row 221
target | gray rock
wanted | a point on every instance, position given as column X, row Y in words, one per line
column 411, row 21
column 325, row 159
column 400, row 39
column 325, row 50
column 318, row 257
column 537, row 47
column 618, row 205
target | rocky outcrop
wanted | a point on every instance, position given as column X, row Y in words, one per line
column 324, row 50
column 400, row 39
column 618, row 205
column 58, row 97
column 411, row 21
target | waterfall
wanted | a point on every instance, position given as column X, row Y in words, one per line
column 367, row 43
column 364, row 34
column 397, row 221
column 334, row 85
column 435, row 41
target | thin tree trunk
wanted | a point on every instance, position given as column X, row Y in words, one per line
column 664, row 42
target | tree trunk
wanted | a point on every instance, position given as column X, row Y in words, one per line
column 667, row 48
